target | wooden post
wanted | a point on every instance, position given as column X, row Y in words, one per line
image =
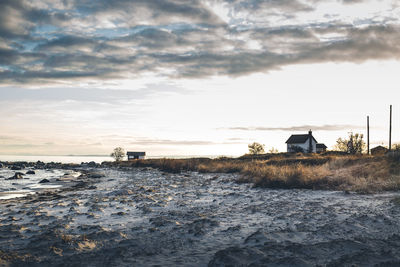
column 367, row 135
column 390, row 130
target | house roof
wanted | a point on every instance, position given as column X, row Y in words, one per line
column 379, row 147
column 299, row 139
column 136, row 153
column 321, row 145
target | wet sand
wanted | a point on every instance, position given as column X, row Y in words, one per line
column 136, row 217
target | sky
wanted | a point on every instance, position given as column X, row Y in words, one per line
column 194, row 77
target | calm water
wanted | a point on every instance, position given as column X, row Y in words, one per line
column 78, row 159
column 63, row 159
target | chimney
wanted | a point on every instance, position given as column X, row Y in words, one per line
column 310, row 150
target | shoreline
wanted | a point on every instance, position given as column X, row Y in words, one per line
column 330, row 171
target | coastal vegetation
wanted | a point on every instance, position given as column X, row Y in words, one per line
column 256, row 148
column 118, row 153
column 327, row 171
column 354, row 144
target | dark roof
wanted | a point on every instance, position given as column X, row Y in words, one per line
column 379, row 147
column 321, row 145
column 136, row 153
column 298, row 139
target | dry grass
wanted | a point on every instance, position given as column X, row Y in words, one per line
column 363, row 174
column 286, row 176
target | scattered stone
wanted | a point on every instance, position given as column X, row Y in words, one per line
column 30, row 172
column 121, row 213
column 95, row 175
column 120, row 192
column 44, row 181
column 161, row 221
column 92, row 164
column 17, row 175
column 16, row 168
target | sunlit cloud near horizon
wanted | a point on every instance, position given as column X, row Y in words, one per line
column 194, row 77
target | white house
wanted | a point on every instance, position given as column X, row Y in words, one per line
column 135, row 155
column 302, row 143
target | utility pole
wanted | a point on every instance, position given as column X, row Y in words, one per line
column 390, row 130
column 367, row 135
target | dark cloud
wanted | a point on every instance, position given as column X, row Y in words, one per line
column 154, row 11
column 303, row 128
column 45, row 43
column 68, row 42
column 260, row 5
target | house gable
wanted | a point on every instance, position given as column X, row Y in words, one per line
column 302, row 142
column 299, row 139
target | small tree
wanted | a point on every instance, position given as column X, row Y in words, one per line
column 273, row 150
column 353, row 145
column 118, row 153
column 256, row 148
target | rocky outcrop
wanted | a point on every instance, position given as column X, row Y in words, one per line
column 16, row 168
column 17, row 175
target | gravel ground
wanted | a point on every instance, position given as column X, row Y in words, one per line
column 143, row 217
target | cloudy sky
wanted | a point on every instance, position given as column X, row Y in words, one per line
column 194, row 77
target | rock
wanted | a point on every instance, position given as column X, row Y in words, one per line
column 39, row 165
column 16, row 168
column 92, row 164
column 44, row 181
column 121, row 213
column 121, row 192
column 95, row 175
column 17, row 175
column 30, row 172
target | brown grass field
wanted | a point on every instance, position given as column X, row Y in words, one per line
column 329, row 171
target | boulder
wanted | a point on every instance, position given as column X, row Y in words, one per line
column 39, row 165
column 16, row 168
column 95, row 175
column 44, row 181
column 30, row 172
column 17, row 175
column 92, row 164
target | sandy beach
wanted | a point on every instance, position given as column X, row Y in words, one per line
column 145, row 217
